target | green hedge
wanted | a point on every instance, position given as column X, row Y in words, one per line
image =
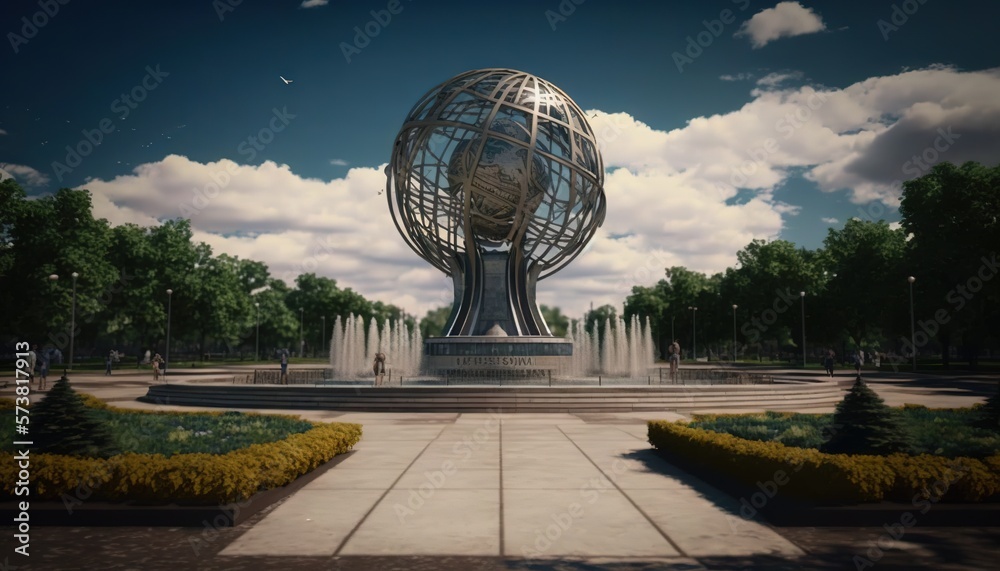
column 195, row 478
column 832, row 478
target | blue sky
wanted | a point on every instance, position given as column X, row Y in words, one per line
column 869, row 96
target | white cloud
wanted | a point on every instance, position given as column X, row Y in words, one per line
column 785, row 20
column 775, row 78
column 738, row 77
column 690, row 196
column 830, row 220
column 25, row 174
column 339, row 162
column 313, row 3
column 3, row 132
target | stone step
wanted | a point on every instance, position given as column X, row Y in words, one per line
column 536, row 399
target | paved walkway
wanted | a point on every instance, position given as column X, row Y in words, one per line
column 538, row 486
column 492, row 491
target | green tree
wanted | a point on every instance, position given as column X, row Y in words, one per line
column 434, row 322
column 62, row 424
column 865, row 264
column 951, row 214
column 58, row 235
column 864, row 424
column 557, row 322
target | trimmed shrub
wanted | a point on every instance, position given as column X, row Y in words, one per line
column 866, row 425
column 194, row 478
column 832, row 478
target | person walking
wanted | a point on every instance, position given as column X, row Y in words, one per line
column 859, row 361
column 107, row 363
column 828, row 362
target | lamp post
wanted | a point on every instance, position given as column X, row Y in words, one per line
column 256, row 349
column 734, row 333
column 72, row 322
column 913, row 343
column 802, row 294
column 302, row 339
column 672, row 317
column 694, row 332
column 322, row 335
column 166, row 358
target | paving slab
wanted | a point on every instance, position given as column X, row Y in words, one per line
column 445, row 522
column 547, row 524
column 311, row 522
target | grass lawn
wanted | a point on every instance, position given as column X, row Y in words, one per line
column 945, row 432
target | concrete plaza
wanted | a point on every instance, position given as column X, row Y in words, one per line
column 508, row 491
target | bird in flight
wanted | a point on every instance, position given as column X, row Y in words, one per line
column 287, row 81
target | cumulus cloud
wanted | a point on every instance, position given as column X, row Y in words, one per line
column 785, row 20
column 25, row 174
column 313, row 3
column 690, row 196
column 339, row 162
column 830, row 220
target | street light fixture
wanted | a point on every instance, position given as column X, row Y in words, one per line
column 256, row 349
column 694, row 332
column 322, row 336
column 302, row 339
column 734, row 333
column 166, row 358
column 913, row 344
column 72, row 322
column 802, row 294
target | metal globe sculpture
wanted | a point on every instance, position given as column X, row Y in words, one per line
column 496, row 179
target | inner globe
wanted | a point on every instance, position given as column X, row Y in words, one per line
column 496, row 174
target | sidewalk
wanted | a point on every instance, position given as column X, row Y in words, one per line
column 528, row 486
column 501, row 491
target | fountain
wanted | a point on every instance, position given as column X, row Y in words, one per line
column 624, row 350
column 352, row 352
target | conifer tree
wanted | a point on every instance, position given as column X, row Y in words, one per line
column 866, row 425
column 62, row 424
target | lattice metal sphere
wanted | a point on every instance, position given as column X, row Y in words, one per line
column 497, row 159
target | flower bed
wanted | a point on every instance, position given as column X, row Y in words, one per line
column 187, row 477
column 810, row 475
